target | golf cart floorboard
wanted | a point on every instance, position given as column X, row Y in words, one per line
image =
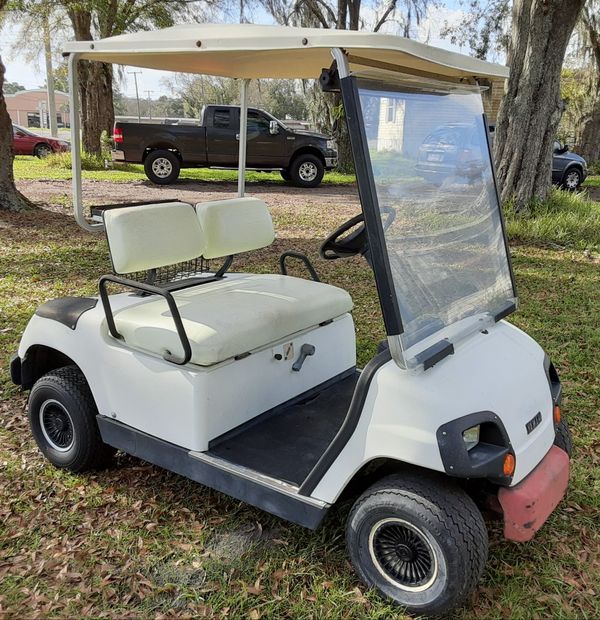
column 286, row 442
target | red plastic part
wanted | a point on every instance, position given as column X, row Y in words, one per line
column 527, row 505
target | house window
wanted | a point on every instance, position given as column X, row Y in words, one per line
column 391, row 111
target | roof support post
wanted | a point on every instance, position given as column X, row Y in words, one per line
column 76, row 147
column 341, row 61
column 243, row 137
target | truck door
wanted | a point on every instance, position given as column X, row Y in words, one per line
column 221, row 136
column 264, row 149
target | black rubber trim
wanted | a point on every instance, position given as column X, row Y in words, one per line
column 301, row 257
column 509, row 308
column 66, row 310
column 153, row 290
column 553, row 380
column 499, row 203
column 486, row 459
column 435, row 353
column 177, row 459
column 348, row 425
column 15, row 370
column 370, row 207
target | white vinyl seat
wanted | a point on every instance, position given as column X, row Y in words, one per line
column 235, row 316
column 224, row 318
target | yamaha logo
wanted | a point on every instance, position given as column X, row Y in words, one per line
column 537, row 418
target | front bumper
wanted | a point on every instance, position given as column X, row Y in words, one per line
column 527, row 505
column 331, row 162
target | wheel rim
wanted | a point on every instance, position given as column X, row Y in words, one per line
column 57, row 425
column 44, row 151
column 308, row 171
column 572, row 179
column 402, row 553
column 162, row 167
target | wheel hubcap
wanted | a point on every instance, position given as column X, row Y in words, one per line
column 403, row 554
column 308, row 171
column 56, row 424
column 162, row 167
column 572, row 180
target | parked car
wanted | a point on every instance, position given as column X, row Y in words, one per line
column 26, row 142
column 301, row 156
column 455, row 150
column 568, row 169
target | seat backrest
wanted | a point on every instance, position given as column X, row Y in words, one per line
column 153, row 235
column 234, row 226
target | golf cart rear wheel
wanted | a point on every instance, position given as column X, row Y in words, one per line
column 419, row 540
column 162, row 167
column 62, row 416
column 307, row 170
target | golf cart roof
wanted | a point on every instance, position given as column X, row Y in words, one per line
column 259, row 51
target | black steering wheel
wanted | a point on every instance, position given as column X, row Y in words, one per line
column 336, row 245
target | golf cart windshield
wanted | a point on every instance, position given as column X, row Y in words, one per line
column 435, row 190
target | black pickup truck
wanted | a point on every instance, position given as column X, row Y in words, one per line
column 164, row 148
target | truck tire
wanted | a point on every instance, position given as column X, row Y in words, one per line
column 162, row 167
column 419, row 540
column 307, row 170
column 62, row 416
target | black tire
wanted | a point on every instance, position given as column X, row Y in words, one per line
column 162, row 167
column 563, row 438
column 42, row 150
column 285, row 175
column 62, row 417
column 572, row 179
column 437, row 527
column 306, row 170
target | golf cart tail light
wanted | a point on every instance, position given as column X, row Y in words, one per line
column 508, row 467
column 118, row 135
column 471, row 437
column 556, row 414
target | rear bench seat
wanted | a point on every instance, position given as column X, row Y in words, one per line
column 223, row 319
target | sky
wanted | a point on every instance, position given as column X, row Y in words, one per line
column 31, row 73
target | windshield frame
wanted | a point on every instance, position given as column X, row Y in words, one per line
column 369, row 200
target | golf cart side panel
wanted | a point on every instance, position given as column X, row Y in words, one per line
column 501, row 372
column 189, row 406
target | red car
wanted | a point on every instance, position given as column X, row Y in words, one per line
column 26, row 142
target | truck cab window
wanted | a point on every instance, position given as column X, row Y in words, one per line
column 257, row 123
column 221, row 119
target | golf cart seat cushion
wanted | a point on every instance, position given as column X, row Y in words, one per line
column 231, row 317
column 234, row 226
column 153, row 235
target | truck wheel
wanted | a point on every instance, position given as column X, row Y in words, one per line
column 285, row 175
column 572, row 179
column 307, row 171
column 62, row 416
column 419, row 541
column 563, row 438
column 162, row 167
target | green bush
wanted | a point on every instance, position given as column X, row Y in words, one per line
column 594, row 168
column 62, row 161
column 568, row 219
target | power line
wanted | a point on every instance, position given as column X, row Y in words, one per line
column 137, row 95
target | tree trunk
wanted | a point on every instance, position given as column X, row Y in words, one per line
column 10, row 198
column 589, row 141
column 531, row 108
column 95, row 87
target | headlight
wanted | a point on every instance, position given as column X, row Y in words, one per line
column 471, row 437
column 331, row 144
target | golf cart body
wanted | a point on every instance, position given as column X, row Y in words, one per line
column 248, row 382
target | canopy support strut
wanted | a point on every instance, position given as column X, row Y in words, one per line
column 243, row 137
column 76, row 147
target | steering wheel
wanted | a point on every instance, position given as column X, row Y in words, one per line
column 336, row 245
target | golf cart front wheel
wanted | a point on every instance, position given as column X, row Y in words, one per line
column 62, row 417
column 420, row 542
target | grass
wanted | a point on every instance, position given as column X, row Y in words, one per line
column 136, row 541
column 59, row 167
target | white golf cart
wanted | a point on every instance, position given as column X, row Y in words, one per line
column 247, row 383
